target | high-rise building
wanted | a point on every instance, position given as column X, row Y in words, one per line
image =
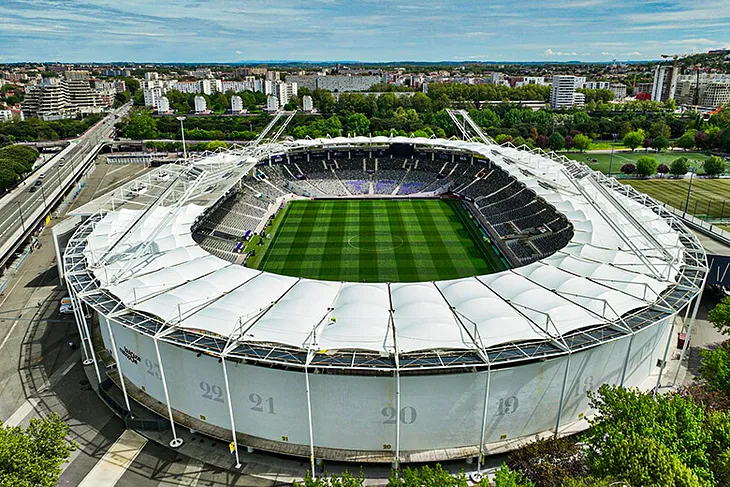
column 337, row 83
column 200, row 104
column 307, row 104
column 163, row 105
column 151, row 76
column 703, row 89
column 665, row 83
column 272, row 104
column 273, row 75
column 236, row 104
column 57, row 98
column 563, row 93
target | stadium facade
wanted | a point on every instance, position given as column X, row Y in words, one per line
column 381, row 372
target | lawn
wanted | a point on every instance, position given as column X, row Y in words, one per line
column 621, row 158
column 375, row 240
column 708, row 195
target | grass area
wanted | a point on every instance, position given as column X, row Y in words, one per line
column 621, row 158
column 606, row 145
column 707, row 198
column 374, row 241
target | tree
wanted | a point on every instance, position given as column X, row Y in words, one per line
column 646, row 166
column 719, row 316
column 569, row 142
column 702, row 140
column 639, row 460
column 435, row 476
column 660, row 143
column 33, row 456
column 358, row 124
column 628, row 169
column 714, row 166
column 687, row 140
column 549, row 462
column 662, row 169
column 635, row 436
column 141, row 126
column 582, row 142
column 557, row 141
column 7, row 178
column 715, row 366
column 679, row 167
column 542, row 141
column 634, row 139
column 648, row 141
column 504, row 477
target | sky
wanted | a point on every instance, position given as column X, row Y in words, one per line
column 200, row 31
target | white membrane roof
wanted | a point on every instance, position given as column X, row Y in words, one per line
column 156, row 267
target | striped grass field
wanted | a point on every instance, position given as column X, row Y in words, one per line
column 708, row 195
column 375, row 240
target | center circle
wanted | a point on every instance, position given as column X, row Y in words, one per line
column 375, row 242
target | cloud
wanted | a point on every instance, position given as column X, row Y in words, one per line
column 550, row 52
column 633, row 53
column 239, row 52
column 606, row 53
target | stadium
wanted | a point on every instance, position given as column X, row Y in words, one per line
column 379, row 299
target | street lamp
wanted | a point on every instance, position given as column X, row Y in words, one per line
column 182, row 130
column 610, row 162
column 689, row 188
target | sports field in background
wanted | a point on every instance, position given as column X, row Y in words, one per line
column 707, row 197
column 621, row 158
column 375, row 240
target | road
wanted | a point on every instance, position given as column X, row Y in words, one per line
column 17, row 208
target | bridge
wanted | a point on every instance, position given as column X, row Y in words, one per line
column 23, row 209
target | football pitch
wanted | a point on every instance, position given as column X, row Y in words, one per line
column 373, row 240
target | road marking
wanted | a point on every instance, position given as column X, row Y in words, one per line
column 115, row 461
column 10, row 332
column 23, row 411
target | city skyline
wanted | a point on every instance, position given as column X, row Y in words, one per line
column 368, row 31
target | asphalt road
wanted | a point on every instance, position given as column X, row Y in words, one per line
column 17, row 207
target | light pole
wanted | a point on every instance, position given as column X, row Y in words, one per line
column 610, row 162
column 689, row 188
column 182, row 130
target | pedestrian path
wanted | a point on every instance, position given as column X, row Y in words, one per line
column 115, row 461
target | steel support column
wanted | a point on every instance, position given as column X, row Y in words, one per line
column 176, row 442
column 230, row 412
column 562, row 393
column 482, row 436
column 309, row 419
column 119, row 364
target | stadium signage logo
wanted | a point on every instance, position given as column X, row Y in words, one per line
column 131, row 356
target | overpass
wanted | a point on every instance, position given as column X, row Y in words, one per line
column 21, row 211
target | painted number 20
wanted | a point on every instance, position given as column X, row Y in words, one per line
column 408, row 415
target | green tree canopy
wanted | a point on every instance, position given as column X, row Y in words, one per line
column 687, row 140
column 646, row 166
column 582, row 142
column 32, row 457
column 660, row 143
column 714, row 166
column 634, row 139
column 358, row 124
column 679, row 166
column 557, row 141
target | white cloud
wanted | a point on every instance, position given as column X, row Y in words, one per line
column 633, row 53
column 239, row 52
column 550, row 52
column 606, row 53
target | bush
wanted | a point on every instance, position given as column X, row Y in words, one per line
column 548, row 463
column 662, row 169
column 582, row 142
column 557, row 141
column 628, row 169
column 660, row 143
column 646, row 166
column 679, row 166
column 714, row 166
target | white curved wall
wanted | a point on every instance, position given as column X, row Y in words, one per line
column 437, row 412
